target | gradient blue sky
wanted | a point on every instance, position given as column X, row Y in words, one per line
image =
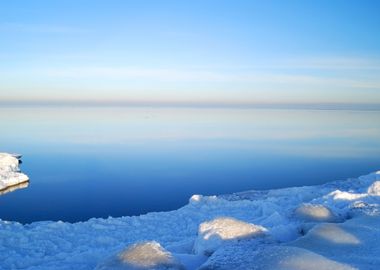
column 191, row 51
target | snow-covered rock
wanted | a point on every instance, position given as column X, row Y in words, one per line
column 353, row 242
column 315, row 213
column 10, row 174
column 294, row 258
column 143, row 255
column 374, row 189
column 213, row 234
column 14, row 187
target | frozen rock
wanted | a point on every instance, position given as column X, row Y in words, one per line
column 351, row 242
column 14, row 187
column 346, row 196
column 10, row 174
column 315, row 213
column 143, row 255
column 213, row 234
column 294, row 258
column 374, row 189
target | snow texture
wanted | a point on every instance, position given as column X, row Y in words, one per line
column 315, row 213
column 10, row 174
column 213, row 234
column 331, row 226
column 374, row 189
column 144, row 255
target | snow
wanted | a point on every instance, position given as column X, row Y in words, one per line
column 10, row 174
column 213, row 234
column 374, row 189
column 349, row 245
column 14, row 187
column 353, row 242
column 330, row 226
column 315, row 213
column 293, row 258
column 144, row 255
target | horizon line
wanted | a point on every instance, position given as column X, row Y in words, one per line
column 190, row 104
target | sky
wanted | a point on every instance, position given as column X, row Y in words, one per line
column 199, row 51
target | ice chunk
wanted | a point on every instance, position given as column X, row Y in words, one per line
column 346, row 196
column 195, row 199
column 199, row 200
column 374, row 189
column 315, row 213
column 14, row 187
column 143, row 255
column 214, row 233
column 10, row 174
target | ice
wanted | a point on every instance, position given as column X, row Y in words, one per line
column 144, row 255
column 212, row 234
column 349, row 245
column 10, row 174
column 354, row 242
column 275, row 229
column 374, row 189
column 348, row 196
column 14, row 187
column 293, row 258
column 315, row 213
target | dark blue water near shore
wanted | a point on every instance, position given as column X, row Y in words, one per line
column 100, row 162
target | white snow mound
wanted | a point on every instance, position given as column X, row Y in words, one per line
column 10, row 174
column 315, row 213
column 374, row 189
column 294, row 258
column 213, row 234
column 143, row 255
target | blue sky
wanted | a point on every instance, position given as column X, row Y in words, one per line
column 191, row 51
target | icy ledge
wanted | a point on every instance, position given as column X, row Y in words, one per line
column 10, row 174
column 332, row 226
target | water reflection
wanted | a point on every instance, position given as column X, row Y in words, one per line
column 129, row 161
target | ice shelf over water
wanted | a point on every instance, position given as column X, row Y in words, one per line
column 332, row 226
column 10, row 174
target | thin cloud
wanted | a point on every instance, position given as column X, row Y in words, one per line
column 191, row 75
column 321, row 63
column 39, row 28
column 335, row 63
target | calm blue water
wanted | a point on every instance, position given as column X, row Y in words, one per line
column 100, row 162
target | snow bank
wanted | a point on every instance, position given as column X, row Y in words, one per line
column 223, row 227
column 10, row 174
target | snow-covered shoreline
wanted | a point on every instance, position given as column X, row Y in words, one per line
column 10, row 174
column 330, row 226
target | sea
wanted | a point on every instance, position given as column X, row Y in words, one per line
column 100, row 161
